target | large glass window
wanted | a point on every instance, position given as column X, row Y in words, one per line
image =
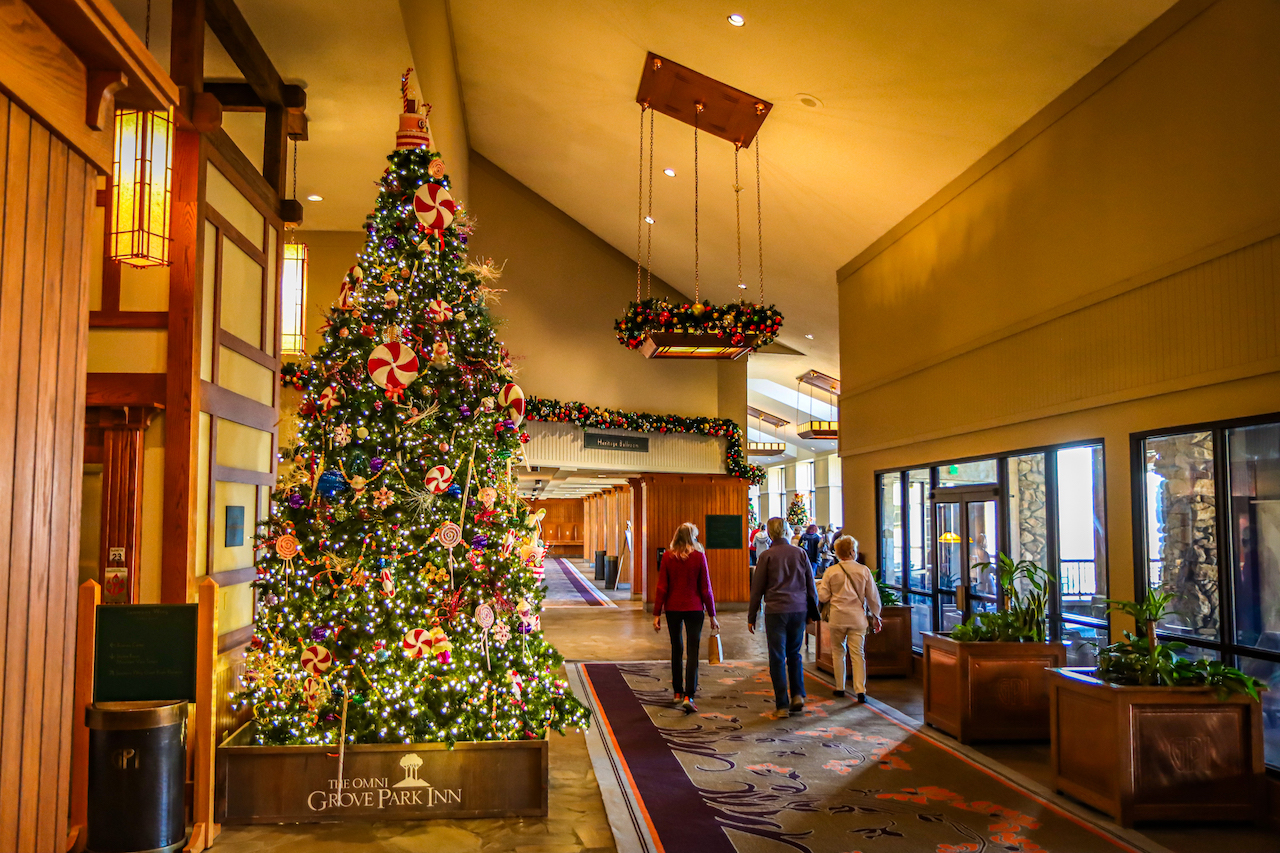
column 1211, row 531
column 891, row 529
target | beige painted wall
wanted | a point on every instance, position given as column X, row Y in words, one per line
column 1114, row 268
column 329, row 255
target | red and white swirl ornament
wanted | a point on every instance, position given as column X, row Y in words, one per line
column 393, row 366
column 439, row 311
column 316, row 659
column 439, row 479
column 315, row 691
column 417, row 641
column 388, row 583
column 330, row 398
column 434, row 206
column 511, row 398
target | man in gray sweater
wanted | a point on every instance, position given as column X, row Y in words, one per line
column 783, row 578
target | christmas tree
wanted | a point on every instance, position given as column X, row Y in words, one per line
column 399, row 577
column 797, row 512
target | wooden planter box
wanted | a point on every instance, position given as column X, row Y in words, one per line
column 299, row 784
column 989, row 691
column 888, row 652
column 1156, row 753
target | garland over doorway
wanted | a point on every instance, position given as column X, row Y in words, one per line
column 573, row 412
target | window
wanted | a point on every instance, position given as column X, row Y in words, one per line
column 940, row 525
column 777, row 487
column 293, row 300
column 1210, row 536
column 804, row 487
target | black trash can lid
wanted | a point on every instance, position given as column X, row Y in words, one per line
column 113, row 716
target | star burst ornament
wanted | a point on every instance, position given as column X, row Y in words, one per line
column 383, row 498
column 341, row 435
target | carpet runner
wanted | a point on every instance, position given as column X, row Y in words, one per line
column 566, row 587
column 842, row 778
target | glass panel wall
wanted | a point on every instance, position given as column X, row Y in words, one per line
column 967, row 473
column 919, row 530
column 1211, row 531
column 891, row 529
column 1080, row 534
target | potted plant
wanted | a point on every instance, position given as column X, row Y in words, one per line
column 888, row 651
column 1152, row 735
column 987, row 679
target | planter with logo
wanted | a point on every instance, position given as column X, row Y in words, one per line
column 888, row 652
column 310, row 784
column 1156, row 753
column 988, row 690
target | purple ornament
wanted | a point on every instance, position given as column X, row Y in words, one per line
column 319, row 633
column 296, row 501
column 479, row 540
column 471, row 501
column 524, row 628
column 376, row 463
column 392, row 242
column 509, row 424
column 464, row 410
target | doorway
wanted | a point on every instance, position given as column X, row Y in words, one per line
column 966, row 540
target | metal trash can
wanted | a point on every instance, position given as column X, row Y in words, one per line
column 600, row 565
column 137, row 776
column 610, row 572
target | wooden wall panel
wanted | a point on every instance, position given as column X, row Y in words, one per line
column 672, row 499
column 562, row 527
column 48, row 193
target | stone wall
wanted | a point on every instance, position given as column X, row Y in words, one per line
column 1029, row 517
column 1187, row 544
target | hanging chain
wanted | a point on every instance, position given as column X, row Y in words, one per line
column 294, row 228
column 146, row 35
column 648, row 250
column 759, row 222
column 696, row 293
column 737, row 208
column 640, row 202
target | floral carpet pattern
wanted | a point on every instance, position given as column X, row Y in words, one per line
column 842, row 778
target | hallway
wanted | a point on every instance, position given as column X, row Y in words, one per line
column 577, row 822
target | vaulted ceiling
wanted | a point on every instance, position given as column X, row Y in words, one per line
column 906, row 94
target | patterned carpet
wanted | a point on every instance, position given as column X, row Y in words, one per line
column 840, row 779
column 566, row 587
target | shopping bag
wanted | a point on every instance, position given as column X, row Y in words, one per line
column 715, row 650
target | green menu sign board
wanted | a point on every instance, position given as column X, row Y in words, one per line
column 723, row 531
column 145, row 652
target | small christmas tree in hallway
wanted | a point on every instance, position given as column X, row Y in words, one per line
column 397, row 587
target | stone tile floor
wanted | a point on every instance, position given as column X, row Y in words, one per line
column 576, row 822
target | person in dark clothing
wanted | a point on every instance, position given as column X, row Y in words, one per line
column 783, row 581
column 684, row 591
column 811, row 542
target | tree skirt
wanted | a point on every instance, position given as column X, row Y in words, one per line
column 841, row 778
column 567, row 587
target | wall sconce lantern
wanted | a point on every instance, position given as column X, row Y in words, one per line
column 293, row 331
column 138, row 224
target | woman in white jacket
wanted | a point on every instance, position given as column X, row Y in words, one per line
column 855, row 606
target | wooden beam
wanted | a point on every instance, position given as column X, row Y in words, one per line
column 125, row 389
column 233, row 31
column 186, row 45
column 234, row 639
column 240, row 97
column 234, row 576
column 128, row 319
column 220, row 402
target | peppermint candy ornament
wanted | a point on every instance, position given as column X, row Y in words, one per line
column 439, row 311
column 439, row 479
column 388, row 583
column 316, row 659
column 434, row 206
column 393, row 366
column 511, row 398
column 416, row 642
column 330, row 398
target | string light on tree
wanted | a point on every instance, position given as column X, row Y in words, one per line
column 395, row 496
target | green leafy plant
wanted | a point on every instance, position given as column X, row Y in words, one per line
column 1141, row 659
column 1025, row 584
column 889, row 596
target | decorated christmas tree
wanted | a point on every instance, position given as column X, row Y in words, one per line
column 398, row 587
column 797, row 512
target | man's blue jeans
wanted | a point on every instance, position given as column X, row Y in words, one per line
column 785, row 634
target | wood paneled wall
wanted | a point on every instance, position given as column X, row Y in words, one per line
column 668, row 501
column 562, row 527
column 605, row 517
column 44, row 269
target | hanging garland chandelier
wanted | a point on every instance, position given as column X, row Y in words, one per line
column 700, row 329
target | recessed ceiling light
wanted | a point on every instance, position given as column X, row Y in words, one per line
column 737, row 20
column 810, row 337
column 314, row 197
column 670, row 173
column 649, row 219
column 810, row 101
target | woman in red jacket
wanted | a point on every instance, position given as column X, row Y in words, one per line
column 684, row 590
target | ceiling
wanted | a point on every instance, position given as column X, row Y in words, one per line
column 543, row 481
column 909, row 92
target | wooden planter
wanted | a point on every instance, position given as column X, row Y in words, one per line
column 989, row 691
column 888, row 652
column 299, row 784
column 1156, row 753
